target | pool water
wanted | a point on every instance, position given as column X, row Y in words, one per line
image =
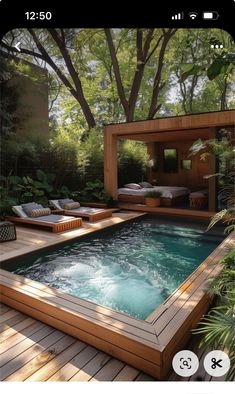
column 131, row 269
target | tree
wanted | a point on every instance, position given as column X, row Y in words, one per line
column 204, row 74
column 57, row 48
column 73, row 84
column 144, row 52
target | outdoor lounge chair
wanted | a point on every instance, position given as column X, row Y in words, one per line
column 92, row 214
column 57, row 223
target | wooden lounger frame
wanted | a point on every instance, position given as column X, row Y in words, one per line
column 92, row 217
column 56, row 227
column 148, row 345
column 165, row 201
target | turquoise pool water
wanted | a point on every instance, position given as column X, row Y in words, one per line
column 132, row 269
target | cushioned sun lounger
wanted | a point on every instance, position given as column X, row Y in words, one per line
column 92, row 214
column 57, row 223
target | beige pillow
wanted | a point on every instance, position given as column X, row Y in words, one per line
column 146, row 185
column 34, row 213
column 71, row 205
column 133, row 186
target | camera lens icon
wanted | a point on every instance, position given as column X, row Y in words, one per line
column 185, row 363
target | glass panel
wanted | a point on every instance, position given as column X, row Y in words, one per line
column 186, row 164
column 170, row 160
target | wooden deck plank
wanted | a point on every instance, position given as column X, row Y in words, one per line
column 33, row 326
column 13, row 359
column 91, row 368
column 11, row 322
column 37, row 331
column 8, row 315
column 74, row 365
column 39, row 355
column 71, row 348
column 3, row 309
column 126, row 374
column 13, row 331
column 142, row 377
column 109, row 371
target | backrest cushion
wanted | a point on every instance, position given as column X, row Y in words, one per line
column 18, row 210
column 71, row 205
column 55, row 204
column 133, row 186
column 31, row 205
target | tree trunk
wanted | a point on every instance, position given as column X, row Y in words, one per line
column 142, row 54
column 157, row 80
column 116, row 70
column 74, row 75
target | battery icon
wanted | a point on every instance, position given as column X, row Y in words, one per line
column 212, row 15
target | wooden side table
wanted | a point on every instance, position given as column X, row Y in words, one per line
column 7, row 231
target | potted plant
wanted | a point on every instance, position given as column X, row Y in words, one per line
column 152, row 198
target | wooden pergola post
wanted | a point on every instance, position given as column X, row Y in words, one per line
column 110, row 163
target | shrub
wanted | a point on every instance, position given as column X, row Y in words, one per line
column 218, row 326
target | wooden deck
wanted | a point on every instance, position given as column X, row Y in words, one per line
column 33, row 351
column 31, row 239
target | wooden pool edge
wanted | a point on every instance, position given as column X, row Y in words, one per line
column 147, row 345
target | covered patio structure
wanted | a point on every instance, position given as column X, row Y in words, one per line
column 174, row 133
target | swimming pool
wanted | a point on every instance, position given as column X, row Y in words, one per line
column 131, row 269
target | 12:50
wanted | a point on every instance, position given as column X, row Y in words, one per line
column 32, row 15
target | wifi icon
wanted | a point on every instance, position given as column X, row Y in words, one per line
column 193, row 15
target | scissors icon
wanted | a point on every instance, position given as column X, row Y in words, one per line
column 216, row 363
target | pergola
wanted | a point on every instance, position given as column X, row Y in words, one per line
column 178, row 128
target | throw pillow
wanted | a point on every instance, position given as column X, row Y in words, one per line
column 65, row 201
column 34, row 213
column 71, row 205
column 133, row 186
column 146, row 185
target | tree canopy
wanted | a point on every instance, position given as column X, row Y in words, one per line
column 100, row 76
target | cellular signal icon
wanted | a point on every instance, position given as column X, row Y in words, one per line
column 180, row 15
